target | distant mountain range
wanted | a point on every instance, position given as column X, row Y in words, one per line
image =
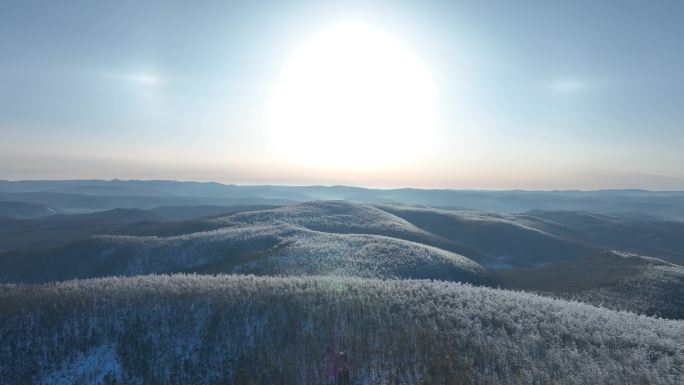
column 93, row 195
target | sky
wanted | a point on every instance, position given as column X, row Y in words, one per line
column 453, row 94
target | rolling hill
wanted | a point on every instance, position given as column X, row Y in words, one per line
column 87, row 203
column 615, row 280
column 179, row 213
column 509, row 240
column 24, row 210
column 316, row 238
column 649, row 236
column 265, row 330
column 58, row 229
column 551, row 253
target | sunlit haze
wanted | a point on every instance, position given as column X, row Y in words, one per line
column 460, row 94
column 353, row 98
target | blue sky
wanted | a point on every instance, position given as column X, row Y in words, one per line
column 496, row 94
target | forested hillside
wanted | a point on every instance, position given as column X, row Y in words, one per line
column 612, row 279
column 508, row 240
column 316, row 238
column 264, row 330
column 629, row 232
column 545, row 252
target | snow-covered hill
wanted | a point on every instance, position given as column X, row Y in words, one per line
column 612, row 279
column 321, row 330
column 321, row 238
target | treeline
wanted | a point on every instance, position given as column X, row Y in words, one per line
column 191, row 329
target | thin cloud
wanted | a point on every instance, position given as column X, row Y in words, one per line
column 570, row 85
column 150, row 79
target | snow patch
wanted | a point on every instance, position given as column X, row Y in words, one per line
column 89, row 368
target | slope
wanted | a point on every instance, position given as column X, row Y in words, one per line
column 330, row 238
column 249, row 330
column 58, row 229
column 342, row 217
column 509, row 240
column 660, row 238
column 612, row 279
column 24, row 210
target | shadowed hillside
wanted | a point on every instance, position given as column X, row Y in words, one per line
column 509, row 240
column 59, row 229
column 24, row 210
column 611, row 279
column 649, row 236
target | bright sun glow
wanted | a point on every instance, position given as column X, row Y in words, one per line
column 353, row 97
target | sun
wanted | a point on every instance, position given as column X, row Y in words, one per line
column 351, row 97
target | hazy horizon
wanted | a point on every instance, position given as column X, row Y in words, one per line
column 460, row 95
column 333, row 185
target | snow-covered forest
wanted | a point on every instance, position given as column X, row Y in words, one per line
column 333, row 292
column 196, row 329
